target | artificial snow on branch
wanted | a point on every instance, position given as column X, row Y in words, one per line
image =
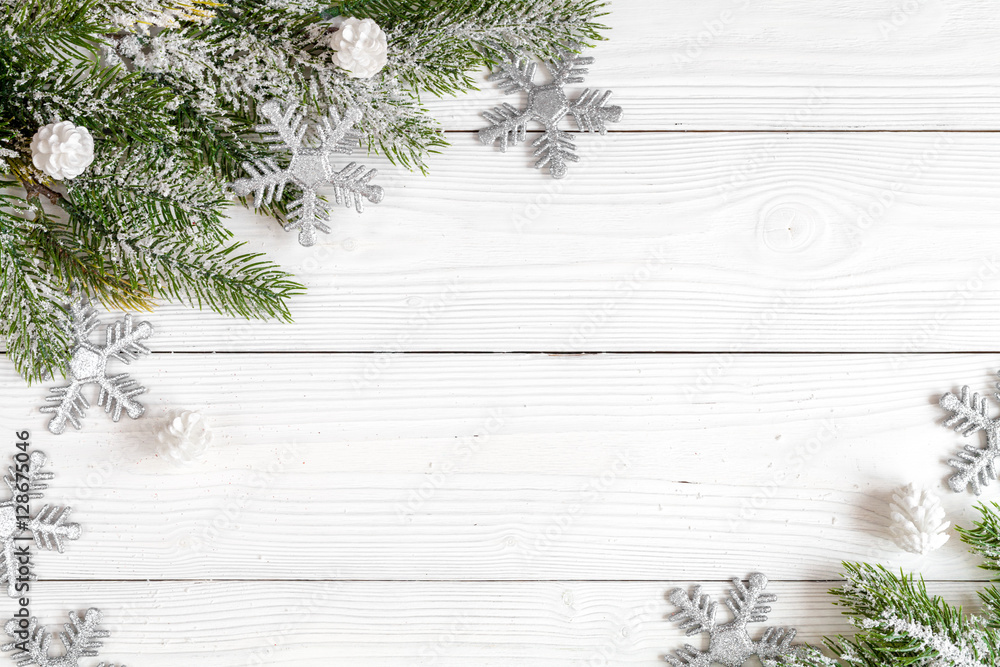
column 132, row 213
column 900, row 624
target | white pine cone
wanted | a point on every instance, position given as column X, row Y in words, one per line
column 360, row 47
column 185, row 437
column 918, row 524
column 62, row 150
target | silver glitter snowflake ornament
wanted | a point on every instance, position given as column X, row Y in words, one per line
column 547, row 105
column 730, row 643
column 48, row 525
column 80, row 639
column 310, row 168
column 976, row 466
column 89, row 365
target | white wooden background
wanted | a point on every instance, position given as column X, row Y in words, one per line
column 514, row 412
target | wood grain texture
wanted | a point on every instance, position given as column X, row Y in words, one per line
column 489, row 509
column 732, row 242
column 484, row 467
column 451, row 624
column 787, row 65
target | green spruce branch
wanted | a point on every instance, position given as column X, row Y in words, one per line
column 900, row 624
column 169, row 91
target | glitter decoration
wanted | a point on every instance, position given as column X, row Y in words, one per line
column 48, row 525
column 89, row 365
column 547, row 105
column 730, row 643
column 918, row 524
column 976, row 466
column 80, row 639
column 185, row 437
column 310, row 167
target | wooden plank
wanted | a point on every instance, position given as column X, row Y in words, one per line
column 780, row 65
column 456, row 624
column 730, row 243
column 605, row 467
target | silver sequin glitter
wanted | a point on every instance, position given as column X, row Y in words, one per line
column 310, row 168
column 89, row 365
column 48, row 525
column 976, row 466
column 547, row 105
column 730, row 643
column 80, row 638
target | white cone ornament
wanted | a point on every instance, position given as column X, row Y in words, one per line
column 918, row 524
column 62, row 150
column 185, row 437
column 360, row 47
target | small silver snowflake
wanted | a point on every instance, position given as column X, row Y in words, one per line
column 547, row 105
column 80, row 639
column 89, row 365
column 976, row 466
column 48, row 525
column 730, row 643
column 310, row 168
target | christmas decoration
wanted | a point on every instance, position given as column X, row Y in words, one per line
column 48, row 525
column 310, row 168
column 547, row 105
column 81, row 639
column 89, row 365
column 730, row 643
column 62, row 150
column 170, row 95
column 185, row 437
column 976, row 466
column 918, row 524
column 901, row 625
column 359, row 47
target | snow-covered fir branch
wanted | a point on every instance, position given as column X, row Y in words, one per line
column 141, row 216
column 900, row 624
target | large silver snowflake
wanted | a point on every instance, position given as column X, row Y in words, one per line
column 547, row 105
column 730, row 643
column 976, row 466
column 80, row 639
column 48, row 525
column 89, row 365
column 309, row 168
